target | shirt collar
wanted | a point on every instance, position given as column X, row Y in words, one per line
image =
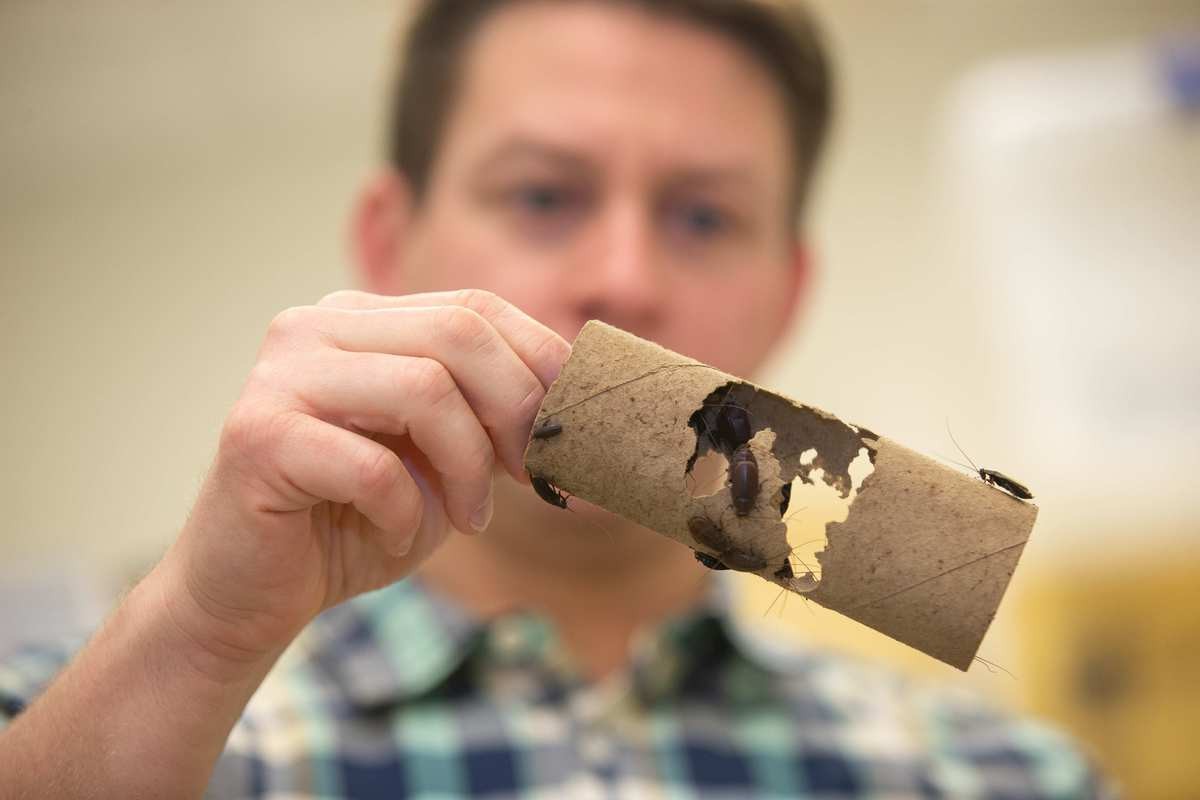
column 392, row 644
column 406, row 640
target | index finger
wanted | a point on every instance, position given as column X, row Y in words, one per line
column 542, row 350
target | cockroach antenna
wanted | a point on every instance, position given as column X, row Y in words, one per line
column 993, row 477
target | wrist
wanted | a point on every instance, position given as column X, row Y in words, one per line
column 211, row 647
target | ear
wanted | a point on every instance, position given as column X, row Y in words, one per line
column 379, row 225
column 799, row 287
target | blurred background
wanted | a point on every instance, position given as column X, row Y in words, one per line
column 1009, row 235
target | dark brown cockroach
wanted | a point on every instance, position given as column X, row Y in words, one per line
column 784, row 572
column 1002, row 481
column 743, row 479
column 547, row 430
column 708, row 561
column 732, row 555
column 714, row 537
column 548, row 491
column 558, row 498
column 733, row 425
column 723, row 422
column 993, row 477
column 728, row 552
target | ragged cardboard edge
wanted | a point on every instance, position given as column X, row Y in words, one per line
column 923, row 556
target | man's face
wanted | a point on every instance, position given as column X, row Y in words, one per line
column 602, row 162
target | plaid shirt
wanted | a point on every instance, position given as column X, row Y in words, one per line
column 401, row 694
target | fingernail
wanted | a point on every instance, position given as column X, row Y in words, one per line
column 483, row 515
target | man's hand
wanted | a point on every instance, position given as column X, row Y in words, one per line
column 369, row 427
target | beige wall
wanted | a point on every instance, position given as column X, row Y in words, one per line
column 172, row 175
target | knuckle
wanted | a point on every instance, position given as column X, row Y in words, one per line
column 483, row 302
column 251, row 432
column 378, row 471
column 289, row 321
column 342, row 298
column 463, row 328
column 552, row 348
column 264, row 376
column 239, row 431
column 428, row 381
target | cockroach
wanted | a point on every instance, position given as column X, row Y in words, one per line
column 733, row 425
column 994, row 477
column 547, row 430
column 783, row 572
column 714, row 563
column 558, row 498
column 548, row 491
column 729, row 552
column 1002, row 481
column 732, row 555
column 708, row 561
column 743, row 479
column 725, row 423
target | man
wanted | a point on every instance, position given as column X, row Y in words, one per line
column 638, row 161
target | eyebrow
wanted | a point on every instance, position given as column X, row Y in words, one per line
column 515, row 149
column 705, row 176
column 519, row 148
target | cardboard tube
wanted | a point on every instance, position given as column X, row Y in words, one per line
column 923, row 556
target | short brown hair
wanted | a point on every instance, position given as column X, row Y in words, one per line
column 778, row 33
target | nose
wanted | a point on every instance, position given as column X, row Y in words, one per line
column 620, row 278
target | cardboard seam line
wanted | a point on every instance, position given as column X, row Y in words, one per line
column 943, row 573
column 650, row 373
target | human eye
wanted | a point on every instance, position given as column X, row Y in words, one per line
column 543, row 208
column 699, row 220
column 543, row 200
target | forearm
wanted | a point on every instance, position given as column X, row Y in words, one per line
column 142, row 711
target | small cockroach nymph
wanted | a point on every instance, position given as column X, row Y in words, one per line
column 547, row 430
